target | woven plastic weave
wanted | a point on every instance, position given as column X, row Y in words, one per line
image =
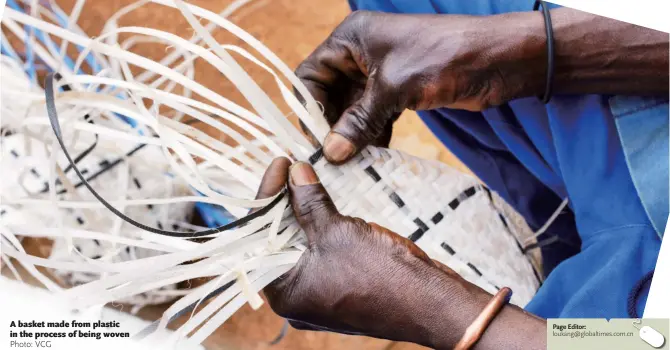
column 449, row 214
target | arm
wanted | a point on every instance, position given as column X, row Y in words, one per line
column 594, row 54
column 375, row 65
column 360, row 278
column 447, row 305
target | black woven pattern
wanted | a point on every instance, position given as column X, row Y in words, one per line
column 55, row 125
column 422, row 228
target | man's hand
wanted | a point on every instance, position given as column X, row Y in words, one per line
column 355, row 277
column 375, row 65
column 360, row 278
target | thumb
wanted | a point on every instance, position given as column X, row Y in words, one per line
column 311, row 204
column 360, row 125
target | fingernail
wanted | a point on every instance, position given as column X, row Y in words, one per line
column 337, row 148
column 303, row 174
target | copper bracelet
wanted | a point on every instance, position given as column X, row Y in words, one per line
column 475, row 331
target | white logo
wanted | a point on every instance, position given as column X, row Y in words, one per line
column 650, row 335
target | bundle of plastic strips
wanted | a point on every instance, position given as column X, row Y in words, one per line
column 134, row 219
column 137, row 171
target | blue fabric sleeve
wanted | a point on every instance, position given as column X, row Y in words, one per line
column 595, row 150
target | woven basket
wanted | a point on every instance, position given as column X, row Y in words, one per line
column 449, row 214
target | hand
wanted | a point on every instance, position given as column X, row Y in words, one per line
column 375, row 65
column 360, row 278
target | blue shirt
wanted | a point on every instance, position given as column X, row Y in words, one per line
column 607, row 155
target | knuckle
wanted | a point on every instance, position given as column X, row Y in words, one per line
column 352, row 27
column 344, row 233
column 425, row 89
column 398, row 83
column 352, row 227
column 356, row 15
column 312, row 206
column 356, row 19
column 307, row 68
column 364, row 123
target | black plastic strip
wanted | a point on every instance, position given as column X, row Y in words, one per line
column 474, row 269
column 83, row 154
column 55, row 125
column 448, row 248
column 106, row 165
column 396, row 199
column 421, row 224
column 470, row 192
column 87, row 117
column 107, row 168
column 488, row 192
column 316, row 156
column 502, row 218
column 416, row 235
column 373, row 173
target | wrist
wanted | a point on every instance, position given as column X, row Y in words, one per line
column 446, row 306
column 505, row 57
column 592, row 54
column 434, row 308
column 453, row 304
column 520, row 57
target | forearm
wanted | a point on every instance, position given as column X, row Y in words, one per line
column 514, row 328
column 593, row 55
column 446, row 307
column 596, row 54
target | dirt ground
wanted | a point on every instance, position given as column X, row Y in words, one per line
column 291, row 29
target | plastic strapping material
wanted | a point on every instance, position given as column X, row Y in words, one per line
column 82, row 155
column 154, row 325
column 55, row 125
column 254, row 299
column 447, row 214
